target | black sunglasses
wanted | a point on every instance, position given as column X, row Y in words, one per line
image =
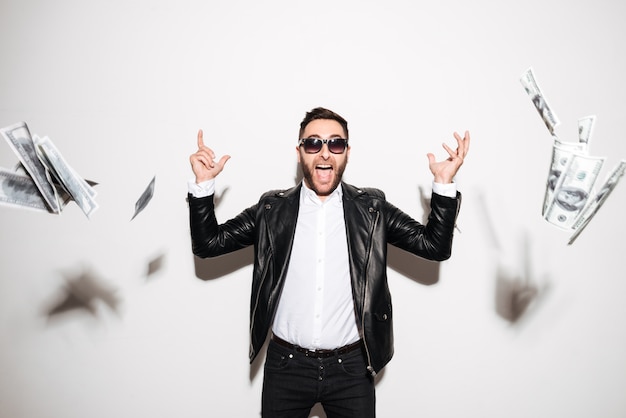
column 314, row 145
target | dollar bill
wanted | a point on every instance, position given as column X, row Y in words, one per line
column 562, row 153
column 573, row 190
column 145, row 197
column 598, row 200
column 20, row 190
column 74, row 185
column 19, row 139
column 585, row 128
column 529, row 82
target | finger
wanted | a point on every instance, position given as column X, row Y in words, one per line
column 450, row 151
column 466, row 141
column 463, row 143
column 200, row 139
column 203, row 148
column 222, row 161
column 459, row 141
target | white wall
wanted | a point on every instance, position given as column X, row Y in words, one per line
column 122, row 87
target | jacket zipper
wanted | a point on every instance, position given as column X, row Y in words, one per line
column 370, row 368
column 256, row 305
column 458, row 208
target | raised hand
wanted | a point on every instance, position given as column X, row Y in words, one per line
column 203, row 161
column 444, row 171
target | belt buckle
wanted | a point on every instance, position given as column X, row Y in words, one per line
column 318, row 353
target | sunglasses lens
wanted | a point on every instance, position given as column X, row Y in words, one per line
column 312, row 145
column 337, row 146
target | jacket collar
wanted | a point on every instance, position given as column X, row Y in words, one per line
column 350, row 192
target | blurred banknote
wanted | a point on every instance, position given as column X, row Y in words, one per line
column 598, row 200
column 19, row 139
column 585, row 128
column 562, row 154
column 529, row 82
column 145, row 197
column 20, row 190
column 573, row 190
column 81, row 192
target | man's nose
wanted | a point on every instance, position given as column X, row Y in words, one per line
column 325, row 151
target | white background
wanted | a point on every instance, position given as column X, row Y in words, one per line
column 122, row 87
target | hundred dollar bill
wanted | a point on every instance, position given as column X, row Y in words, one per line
column 145, row 197
column 529, row 82
column 573, row 190
column 562, row 153
column 598, row 200
column 72, row 183
column 585, row 128
column 19, row 139
column 53, row 175
column 20, row 190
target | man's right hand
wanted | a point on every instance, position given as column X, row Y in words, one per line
column 203, row 164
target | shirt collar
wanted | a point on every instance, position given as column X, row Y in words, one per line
column 308, row 196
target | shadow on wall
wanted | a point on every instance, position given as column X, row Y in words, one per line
column 420, row 270
column 518, row 292
column 214, row 268
column 83, row 292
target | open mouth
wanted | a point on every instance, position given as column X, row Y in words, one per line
column 324, row 172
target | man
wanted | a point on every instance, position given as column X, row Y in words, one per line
column 319, row 281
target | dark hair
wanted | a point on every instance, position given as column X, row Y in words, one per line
column 321, row 113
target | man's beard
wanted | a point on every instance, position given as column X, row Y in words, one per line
column 308, row 177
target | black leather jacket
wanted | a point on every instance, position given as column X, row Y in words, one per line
column 371, row 224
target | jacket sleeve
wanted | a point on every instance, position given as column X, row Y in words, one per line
column 210, row 239
column 432, row 241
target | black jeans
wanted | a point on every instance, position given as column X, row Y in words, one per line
column 293, row 383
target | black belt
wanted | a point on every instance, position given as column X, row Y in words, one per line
column 321, row 353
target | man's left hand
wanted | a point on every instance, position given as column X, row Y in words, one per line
column 444, row 171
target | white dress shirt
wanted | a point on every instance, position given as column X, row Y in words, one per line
column 316, row 309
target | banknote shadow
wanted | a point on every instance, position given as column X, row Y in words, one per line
column 82, row 293
column 518, row 293
column 517, row 298
column 155, row 265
